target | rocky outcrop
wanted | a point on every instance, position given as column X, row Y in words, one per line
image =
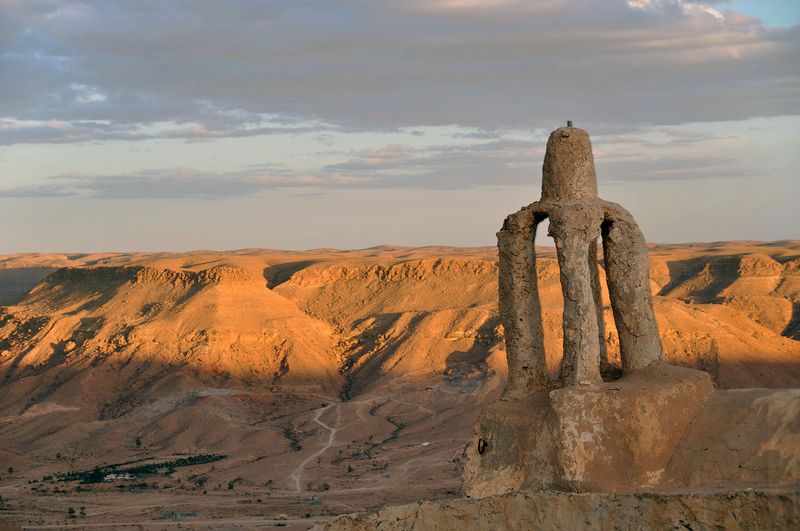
column 102, row 275
column 738, row 509
column 123, row 331
column 322, row 274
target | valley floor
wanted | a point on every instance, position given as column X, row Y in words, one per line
column 377, row 449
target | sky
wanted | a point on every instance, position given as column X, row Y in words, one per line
column 296, row 124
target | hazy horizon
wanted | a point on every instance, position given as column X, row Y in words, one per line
column 546, row 244
column 156, row 127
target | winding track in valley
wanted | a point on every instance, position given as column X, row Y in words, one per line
column 298, row 472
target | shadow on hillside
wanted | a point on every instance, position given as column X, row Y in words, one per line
column 280, row 273
column 468, row 368
column 792, row 330
column 116, row 386
column 374, row 350
column 724, row 272
column 16, row 283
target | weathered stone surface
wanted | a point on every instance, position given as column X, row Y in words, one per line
column 659, row 428
column 520, row 447
column 628, row 277
column 522, row 317
column 529, row 511
column 568, row 170
column 569, row 199
column 742, row 437
column 619, row 436
column 574, row 227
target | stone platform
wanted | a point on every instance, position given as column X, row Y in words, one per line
column 662, row 427
column 774, row 508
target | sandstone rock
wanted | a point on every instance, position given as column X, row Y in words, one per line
column 661, row 428
column 740, row 509
column 619, row 436
column 740, row 437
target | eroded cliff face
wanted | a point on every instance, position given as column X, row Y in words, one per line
column 127, row 331
column 373, row 315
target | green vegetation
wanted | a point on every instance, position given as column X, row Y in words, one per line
column 98, row 474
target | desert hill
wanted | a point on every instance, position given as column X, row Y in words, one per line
column 135, row 325
column 728, row 308
column 357, row 375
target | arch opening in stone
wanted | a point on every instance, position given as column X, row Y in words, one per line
column 577, row 219
column 551, row 298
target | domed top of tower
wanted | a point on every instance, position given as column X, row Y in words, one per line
column 568, row 170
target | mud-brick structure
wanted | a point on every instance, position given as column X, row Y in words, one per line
column 657, row 448
column 577, row 218
column 584, row 434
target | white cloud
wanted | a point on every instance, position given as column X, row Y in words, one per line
column 687, row 8
column 84, row 94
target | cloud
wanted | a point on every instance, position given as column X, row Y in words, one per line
column 671, row 153
column 68, row 132
column 661, row 168
column 181, row 183
column 649, row 154
column 685, row 7
column 40, row 190
column 134, row 70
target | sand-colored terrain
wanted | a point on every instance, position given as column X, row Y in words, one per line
column 331, row 381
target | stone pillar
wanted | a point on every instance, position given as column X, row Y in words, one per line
column 597, row 292
column 574, row 227
column 628, row 276
column 569, row 199
column 520, row 307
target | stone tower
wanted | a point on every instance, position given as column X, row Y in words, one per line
column 577, row 218
column 646, row 430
